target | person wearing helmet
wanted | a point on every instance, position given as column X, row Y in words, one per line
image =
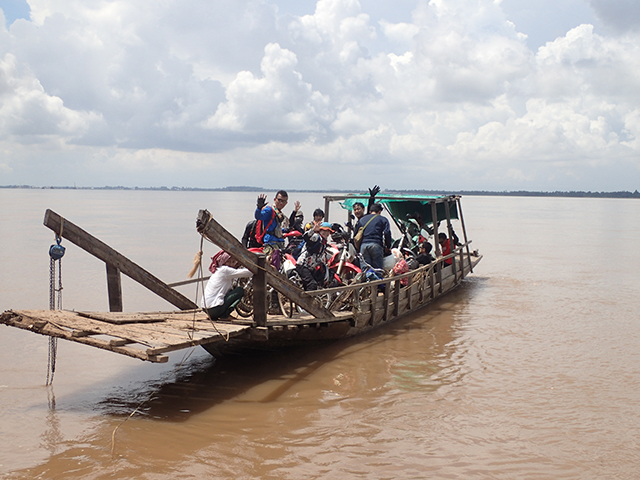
column 312, row 262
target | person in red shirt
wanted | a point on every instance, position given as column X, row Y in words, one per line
column 445, row 246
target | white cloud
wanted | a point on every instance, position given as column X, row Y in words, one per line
column 438, row 86
column 278, row 102
column 29, row 114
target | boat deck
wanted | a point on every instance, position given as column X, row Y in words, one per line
column 146, row 336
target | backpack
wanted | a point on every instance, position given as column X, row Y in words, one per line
column 260, row 231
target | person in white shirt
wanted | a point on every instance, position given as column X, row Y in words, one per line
column 219, row 299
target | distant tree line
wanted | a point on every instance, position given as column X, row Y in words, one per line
column 521, row 193
column 518, row 193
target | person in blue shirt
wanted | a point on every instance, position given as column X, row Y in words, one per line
column 269, row 230
column 377, row 236
column 269, row 223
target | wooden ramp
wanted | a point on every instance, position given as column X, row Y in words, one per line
column 146, row 336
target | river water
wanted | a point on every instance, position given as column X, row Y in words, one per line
column 530, row 369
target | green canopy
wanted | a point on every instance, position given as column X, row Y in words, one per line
column 409, row 204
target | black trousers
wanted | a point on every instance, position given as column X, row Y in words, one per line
column 311, row 279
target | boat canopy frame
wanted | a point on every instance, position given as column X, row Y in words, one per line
column 441, row 207
column 399, row 206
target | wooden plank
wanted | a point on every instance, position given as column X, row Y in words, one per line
column 114, row 288
column 121, row 318
column 104, row 252
column 156, row 335
column 188, row 282
column 308, row 319
column 158, row 338
column 211, row 229
column 222, row 333
column 15, row 319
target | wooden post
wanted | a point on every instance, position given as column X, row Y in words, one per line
column 326, row 209
column 434, row 218
column 432, row 284
column 211, row 229
column 396, row 298
column 464, row 234
column 387, row 299
column 260, row 293
column 104, row 252
column 374, row 303
column 451, row 246
column 114, row 288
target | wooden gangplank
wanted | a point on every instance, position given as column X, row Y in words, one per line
column 146, row 336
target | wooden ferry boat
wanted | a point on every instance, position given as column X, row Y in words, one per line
column 354, row 309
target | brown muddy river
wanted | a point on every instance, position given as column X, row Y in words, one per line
column 530, row 369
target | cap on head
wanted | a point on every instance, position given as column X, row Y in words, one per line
column 326, row 226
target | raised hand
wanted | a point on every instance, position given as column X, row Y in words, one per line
column 262, row 201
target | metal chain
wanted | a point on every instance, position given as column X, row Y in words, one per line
column 51, row 362
column 59, row 284
column 53, row 341
column 52, row 284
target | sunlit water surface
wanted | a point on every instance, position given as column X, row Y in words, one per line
column 530, row 369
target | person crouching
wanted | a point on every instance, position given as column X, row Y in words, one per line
column 219, row 298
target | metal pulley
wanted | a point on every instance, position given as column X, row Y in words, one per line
column 56, row 252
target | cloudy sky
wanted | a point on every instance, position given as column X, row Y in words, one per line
column 415, row 94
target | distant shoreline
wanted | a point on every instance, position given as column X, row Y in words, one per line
column 518, row 193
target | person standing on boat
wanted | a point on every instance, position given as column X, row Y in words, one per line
column 377, row 236
column 270, row 219
column 219, row 298
column 358, row 208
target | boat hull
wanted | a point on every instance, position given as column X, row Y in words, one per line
column 375, row 307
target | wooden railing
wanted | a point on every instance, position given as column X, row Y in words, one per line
column 427, row 280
